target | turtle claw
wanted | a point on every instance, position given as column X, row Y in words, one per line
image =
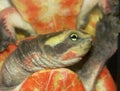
column 3, row 47
column 6, row 37
column 5, row 43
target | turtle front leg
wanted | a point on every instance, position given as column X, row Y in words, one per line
column 9, row 20
column 87, row 7
column 4, row 4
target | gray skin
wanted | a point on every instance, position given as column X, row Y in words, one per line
column 8, row 22
column 104, row 47
column 107, row 41
column 37, row 54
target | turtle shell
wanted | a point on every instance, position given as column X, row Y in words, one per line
column 65, row 80
column 53, row 80
column 38, row 16
column 47, row 16
column 61, row 79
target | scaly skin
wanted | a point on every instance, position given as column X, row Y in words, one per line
column 43, row 52
column 44, row 16
column 95, row 60
column 104, row 47
column 8, row 23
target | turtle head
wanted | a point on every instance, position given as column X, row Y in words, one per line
column 67, row 47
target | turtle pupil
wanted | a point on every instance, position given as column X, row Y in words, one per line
column 73, row 37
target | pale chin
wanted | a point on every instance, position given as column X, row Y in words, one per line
column 72, row 61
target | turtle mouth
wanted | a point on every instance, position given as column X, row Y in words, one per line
column 73, row 55
column 76, row 52
column 69, row 55
column 71, row 61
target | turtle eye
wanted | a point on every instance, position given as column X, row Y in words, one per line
column 73, row 36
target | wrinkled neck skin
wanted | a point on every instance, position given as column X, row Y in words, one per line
column 32, row 55
column 14, row 69
column 23, row 62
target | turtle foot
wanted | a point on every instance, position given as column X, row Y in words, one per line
column 4, row 44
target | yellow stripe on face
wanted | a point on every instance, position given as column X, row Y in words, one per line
column 57, row 39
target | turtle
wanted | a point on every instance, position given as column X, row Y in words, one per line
column 42, row 17
column 43, row 52
column 83, row 73
column 100, row 43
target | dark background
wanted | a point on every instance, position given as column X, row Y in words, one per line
column 114, row 62
column 113, row 65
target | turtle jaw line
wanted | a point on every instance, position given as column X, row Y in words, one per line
column 71, row 61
